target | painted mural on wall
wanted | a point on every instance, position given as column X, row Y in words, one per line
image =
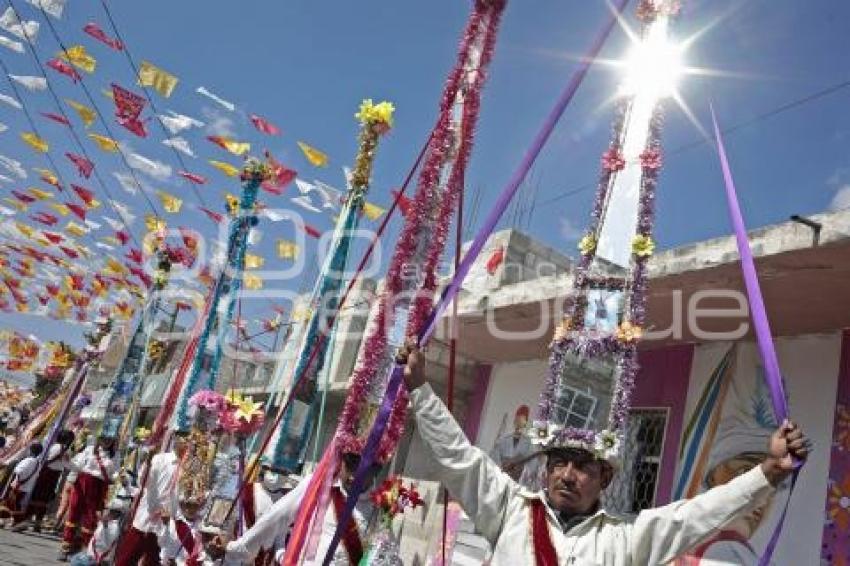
column 725, row 436
column 835, row 548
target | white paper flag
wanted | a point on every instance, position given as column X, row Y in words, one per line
column 114, row 224
column 127, row 182
column 31, row 83
column 176, row 123
column 155, row 169
column 104, row 246
column 13, row 166
column 203, row 91
column 305, row 202
column 123, row 211
column 11, row 101
column 3, row 127
column 10, row 22
column 52, row 7
column 92, row 224
column 180, row 144
column 331, row 197
column 15, row 46
column 5, row 179
column 304, row 187
column 6, row 211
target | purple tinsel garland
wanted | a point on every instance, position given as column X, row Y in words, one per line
column 635, row 285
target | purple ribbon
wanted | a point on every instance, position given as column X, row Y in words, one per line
column 762, row 326
column 370, row 450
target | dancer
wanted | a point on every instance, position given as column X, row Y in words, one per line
column 566, row 518
column 102, row 544
column 21, row 484
column 157, row 504
column 95, row 471
column 271, row 529
column 44, row 491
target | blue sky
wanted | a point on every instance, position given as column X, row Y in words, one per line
column 306, row 65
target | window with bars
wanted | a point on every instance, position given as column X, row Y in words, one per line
column 574, row 408
column 635, row 484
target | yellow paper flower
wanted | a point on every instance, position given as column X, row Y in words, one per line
column 381, row 113
column 587, row 244
column 142, row 433
column 643, row 246
column 245, row 408
column 562, row 329
column 628, row 332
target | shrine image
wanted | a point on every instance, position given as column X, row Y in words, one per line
column 466, row 283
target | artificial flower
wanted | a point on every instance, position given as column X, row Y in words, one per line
column 587, row 245
column 612, row 160
column 651, row 159
column 643, row 245
column 377, row 114
column 628, row 332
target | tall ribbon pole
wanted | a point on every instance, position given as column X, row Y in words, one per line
column 395, row 381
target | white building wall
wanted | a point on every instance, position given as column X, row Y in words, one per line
column 511, row 384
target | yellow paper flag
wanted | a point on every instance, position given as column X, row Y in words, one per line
column 232, row 203
column 373, row 211
column 114, row 266
column 24, row 229
column 87, row 115
column 34, row 142
column 22, row 207
column 111, row 240
column 253, row 261
column 76, row 230
column 170, row 203
column 313, row 155
column 154, row 223
column 225, row 168
column 233, row 146
column 47, row 175
column 60, row 208
column 252, row 281
column 161, row 81
column 287, row 249
column 80, row 58
column 105, row 143
column 40, row 194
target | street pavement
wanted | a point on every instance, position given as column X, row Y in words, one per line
column 28, row 549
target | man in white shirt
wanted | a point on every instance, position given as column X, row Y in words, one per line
column 44, row 491
column 564, row 524
column 273, row 483
column 271, row 529
column 101, row 547
column 158, row 503
column 95, row 472
column 22, row 483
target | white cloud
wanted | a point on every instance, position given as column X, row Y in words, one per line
column 218, row 122
column 841, row 199
column 569, row 231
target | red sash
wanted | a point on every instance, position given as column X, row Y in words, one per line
column 351, row 538
column 249, row 508
column 189, row 542
column 100, row 465
column 544, row 550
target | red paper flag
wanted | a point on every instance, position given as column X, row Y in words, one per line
column 495, row 260
column 219, row 141
column 85, row 195
column 77, row 209
column 52, row 289
column 194, row 177
column 24, row 198
column 45, row 218
column 69, row 252
column 81, row 316
column 403, row 202
column 84, row 166
column 96, row 32
column 43, row 299
column 135, row 126
column 135, row 256
column 281, row 175
column 64, row 68
column 56, row 118
column 214, row 216
column 265, row 126
column 312, row 231
column 181, row 306
column 123, row 237
column 52, row 237
column 128, row 107
column 77, row 281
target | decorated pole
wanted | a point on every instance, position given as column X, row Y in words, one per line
column 375, row 121
column 128, row 384
column 226, row 289
column 608, row 312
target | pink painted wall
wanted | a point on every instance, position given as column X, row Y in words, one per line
column 663, row 382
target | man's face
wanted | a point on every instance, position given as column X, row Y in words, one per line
column 181, row 443
column 575, row 480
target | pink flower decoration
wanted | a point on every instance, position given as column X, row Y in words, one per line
column 612, row 160
column 209, row 400
column 651, row 159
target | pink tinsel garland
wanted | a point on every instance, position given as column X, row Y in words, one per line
column 415, row 233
